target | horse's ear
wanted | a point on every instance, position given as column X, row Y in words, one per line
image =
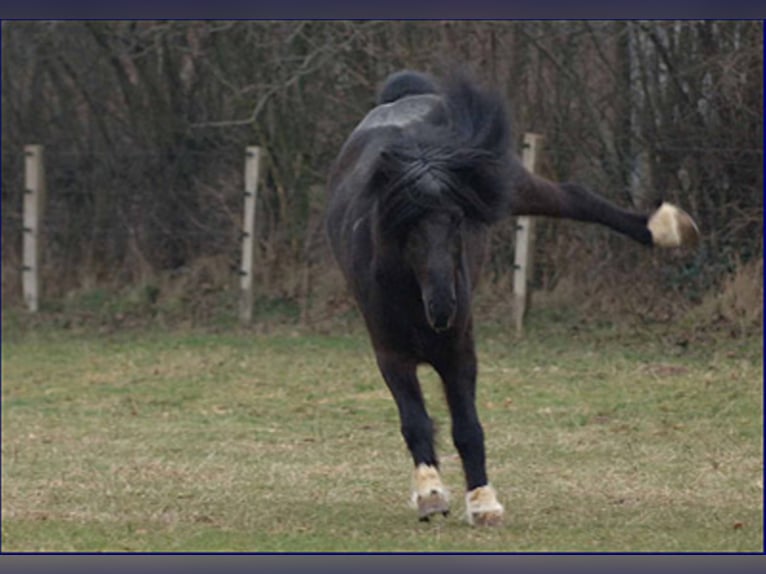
column 388, row 160
column 386, row 163
column 385, row 156
column 380, row 172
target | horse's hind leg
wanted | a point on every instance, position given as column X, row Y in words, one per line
column 459, row 377
column 429, row 495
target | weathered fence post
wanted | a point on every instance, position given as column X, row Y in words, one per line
column 525, row 241
column 252, row 166
column 34, row 205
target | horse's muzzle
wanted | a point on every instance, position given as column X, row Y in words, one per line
column 440, row 312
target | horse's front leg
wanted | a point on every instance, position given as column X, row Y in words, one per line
column 429, row 495
column 459, row 377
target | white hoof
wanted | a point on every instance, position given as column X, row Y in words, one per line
column 429, row 496
column 672, row 227
column 483, row 508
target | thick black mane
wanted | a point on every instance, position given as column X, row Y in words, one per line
column 460, row 164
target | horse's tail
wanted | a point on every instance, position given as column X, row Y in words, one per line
column 478, row 119
column 405, row 83
column 475, row 146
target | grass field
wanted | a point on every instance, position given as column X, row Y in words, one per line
column 598, row 439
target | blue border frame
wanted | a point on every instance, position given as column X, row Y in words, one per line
column 393, row 9
column 350, row 10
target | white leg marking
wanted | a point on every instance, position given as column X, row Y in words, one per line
column 429, row 495
column 482, row 507
column 672, row 227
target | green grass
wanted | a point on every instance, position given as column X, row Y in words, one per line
column 598, row 439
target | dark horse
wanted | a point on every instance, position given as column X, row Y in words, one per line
column 412, row 194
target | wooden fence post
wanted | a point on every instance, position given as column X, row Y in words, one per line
column 34, row 205
column 525, row 240
column 252, row 167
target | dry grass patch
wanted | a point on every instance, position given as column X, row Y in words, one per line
column 596, row 441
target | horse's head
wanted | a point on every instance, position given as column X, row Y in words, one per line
column 433, row 250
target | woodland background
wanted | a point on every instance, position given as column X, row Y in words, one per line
column 145, row 125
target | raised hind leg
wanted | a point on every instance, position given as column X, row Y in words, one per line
column 667, row 226
column 429, row 495
column 459, row 376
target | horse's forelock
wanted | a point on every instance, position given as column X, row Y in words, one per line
column 415, row 181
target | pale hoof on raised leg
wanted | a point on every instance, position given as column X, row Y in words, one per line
column 428, row 493
column 483, row 508
column 671, row 226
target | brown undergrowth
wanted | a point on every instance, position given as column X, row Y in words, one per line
column 314, row 298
